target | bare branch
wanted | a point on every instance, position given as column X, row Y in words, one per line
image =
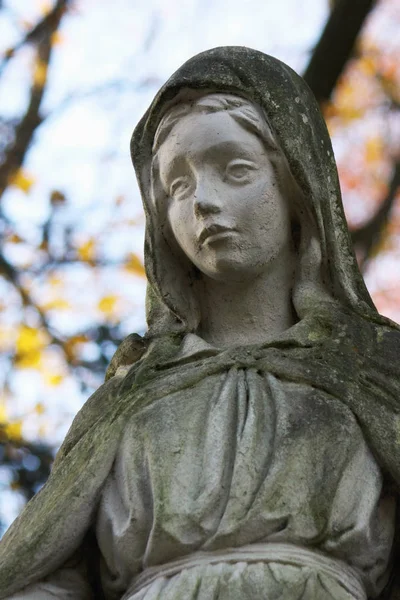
column 39, row 32
column 11, row 274
column 15, row 154
column 369, row 235
column 335, row 46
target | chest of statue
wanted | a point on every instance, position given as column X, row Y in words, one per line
column 243, row 459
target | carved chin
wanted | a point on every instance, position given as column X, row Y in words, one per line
column 232, row 268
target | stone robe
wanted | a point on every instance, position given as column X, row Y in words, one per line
column 237, row 450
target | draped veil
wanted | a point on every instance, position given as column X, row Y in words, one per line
column 297, row 125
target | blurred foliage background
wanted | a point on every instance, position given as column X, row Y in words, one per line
column 75, row 77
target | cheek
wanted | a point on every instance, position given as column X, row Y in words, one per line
column 268, row 216
column 178, row 220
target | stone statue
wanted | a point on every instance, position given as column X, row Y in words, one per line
column 249, row 446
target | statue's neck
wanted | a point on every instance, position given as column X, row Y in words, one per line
column 233, row 314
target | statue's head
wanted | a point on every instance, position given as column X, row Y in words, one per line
column 236, row 167
column 230, row 200
column 229, row 204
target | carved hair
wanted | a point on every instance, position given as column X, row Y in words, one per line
column 247, row 114
column 309, row 286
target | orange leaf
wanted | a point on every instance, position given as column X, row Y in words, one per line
column 30, row 360
column 107, row 305
column 9, row 53
column 54, row 280
column 39, row 408
column 3, row 413
column 72, row 345
column 57, row 38
column 57, row 198
column 373, row 149
column 56, row 304
column 29, row 345
column 22, row 180
column 29, row 340
column 86, row 251
column 15, row 239
column 134, row 265
column 366, row 64
column 53, row 379
column 40, row 73
column 14, row 430
column 45, row 8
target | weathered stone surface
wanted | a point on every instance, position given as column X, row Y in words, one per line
column 252, row 450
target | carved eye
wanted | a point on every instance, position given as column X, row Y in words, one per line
column 179, row 187
column 240, row 170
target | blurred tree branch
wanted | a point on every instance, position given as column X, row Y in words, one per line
column 39, row 32
column 335, row 46
column 368, row 237
column 14, row 451
column 41, row 35
column 11, row 274
column 330, row 56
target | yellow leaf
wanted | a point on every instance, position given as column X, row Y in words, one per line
column 72, row 345
column 134, row 265
column 86, row 251
column 9, row 53
column 45, row 8
column 40, row 73
column 15, row 239
column 22, row 180
column 31, row 360
column 373, row 149
column 29, row 339
column 53, row 379
column 367, row 65
column 78, row 339
column 56, row 304
column 39, row 408
column 57, row 197
column 57, row 38
column 3, row 413
column 29, row 345
column 107, row 305
column 55, row 281
column 14, row 430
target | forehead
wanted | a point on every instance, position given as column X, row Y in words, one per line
column 197, row 133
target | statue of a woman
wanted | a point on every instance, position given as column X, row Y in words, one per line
column 252, row 452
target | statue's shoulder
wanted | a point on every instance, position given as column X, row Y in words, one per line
column 96, row 407
column 388, row 339
column 131, row 349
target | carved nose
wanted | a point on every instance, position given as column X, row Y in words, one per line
column 205, row 202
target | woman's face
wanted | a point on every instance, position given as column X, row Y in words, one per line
column 225, row 205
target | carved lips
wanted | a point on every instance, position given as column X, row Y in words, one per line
column 212, row 232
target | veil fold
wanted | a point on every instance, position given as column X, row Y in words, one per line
column 297, row 125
